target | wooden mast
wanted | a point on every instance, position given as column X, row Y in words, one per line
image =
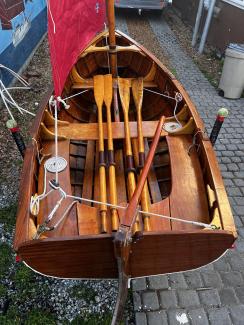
column 112, row 38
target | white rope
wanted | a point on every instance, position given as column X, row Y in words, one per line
column 51, row 15
column 177, row 99
column 13, row 103
column 59, row 99
column 80, row 93
column 194, row 144
column 196, row 223
column 16, row 75
column 65, row 214
column 35, row 200
column 5, row 103
column 7, row 99
column 37, row 150
column 43, row 227
column 49, row 218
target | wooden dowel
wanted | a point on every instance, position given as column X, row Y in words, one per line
column 99, row 98
column 108, row 95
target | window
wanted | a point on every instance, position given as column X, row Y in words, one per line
column 236, row 3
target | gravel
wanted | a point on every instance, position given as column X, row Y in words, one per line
column 38, row 74
column 65, row 299
column 210, row 62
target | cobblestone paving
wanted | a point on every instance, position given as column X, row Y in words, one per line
column 213, row 294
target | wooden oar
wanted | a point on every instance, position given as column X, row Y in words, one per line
column 99, row 98
column 108, row 95
column 124, row 92
column 137, row 91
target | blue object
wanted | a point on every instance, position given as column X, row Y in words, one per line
column 236, row 47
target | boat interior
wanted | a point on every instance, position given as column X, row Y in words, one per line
column 180, row 183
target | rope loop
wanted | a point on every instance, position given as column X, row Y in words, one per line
column 194, row 144
column 60, row 100
column 35, row 205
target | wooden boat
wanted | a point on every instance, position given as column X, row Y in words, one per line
column 183, row 181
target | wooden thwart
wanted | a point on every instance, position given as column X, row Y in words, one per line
column 95, row 49
column 89, row 131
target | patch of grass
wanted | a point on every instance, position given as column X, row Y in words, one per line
column 23, row 276
column 82, row 292
column 3, row 291
column 6, row 259
column 18, row 162
column 8, row 217
column 5, row 320
column 38, row 317
column 25, row 283
column 12, row 317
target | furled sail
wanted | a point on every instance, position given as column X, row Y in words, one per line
column 71, row 26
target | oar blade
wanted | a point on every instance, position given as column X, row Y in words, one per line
column 137, row 91
column 124, row 92
column 98, row 90
column 108, row 89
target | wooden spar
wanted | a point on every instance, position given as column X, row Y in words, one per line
column 127, row 220
column 108, row 95
column 112, row 38
column 122, row 241
column 99, row 97
column 124, row 91
column 137, row 91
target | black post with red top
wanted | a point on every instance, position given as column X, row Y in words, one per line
column 15, row 131
column 222, row 114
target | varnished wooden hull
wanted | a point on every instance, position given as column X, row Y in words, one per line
column 180, row 184
column 93, row 256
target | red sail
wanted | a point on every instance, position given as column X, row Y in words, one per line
column 71, row 26
column 8, row 10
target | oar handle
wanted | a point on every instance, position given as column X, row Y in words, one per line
column 130, row 213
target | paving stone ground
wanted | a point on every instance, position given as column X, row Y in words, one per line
column 213, row 294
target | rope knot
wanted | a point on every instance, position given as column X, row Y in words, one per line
column 60, row 100
column 35, row 205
